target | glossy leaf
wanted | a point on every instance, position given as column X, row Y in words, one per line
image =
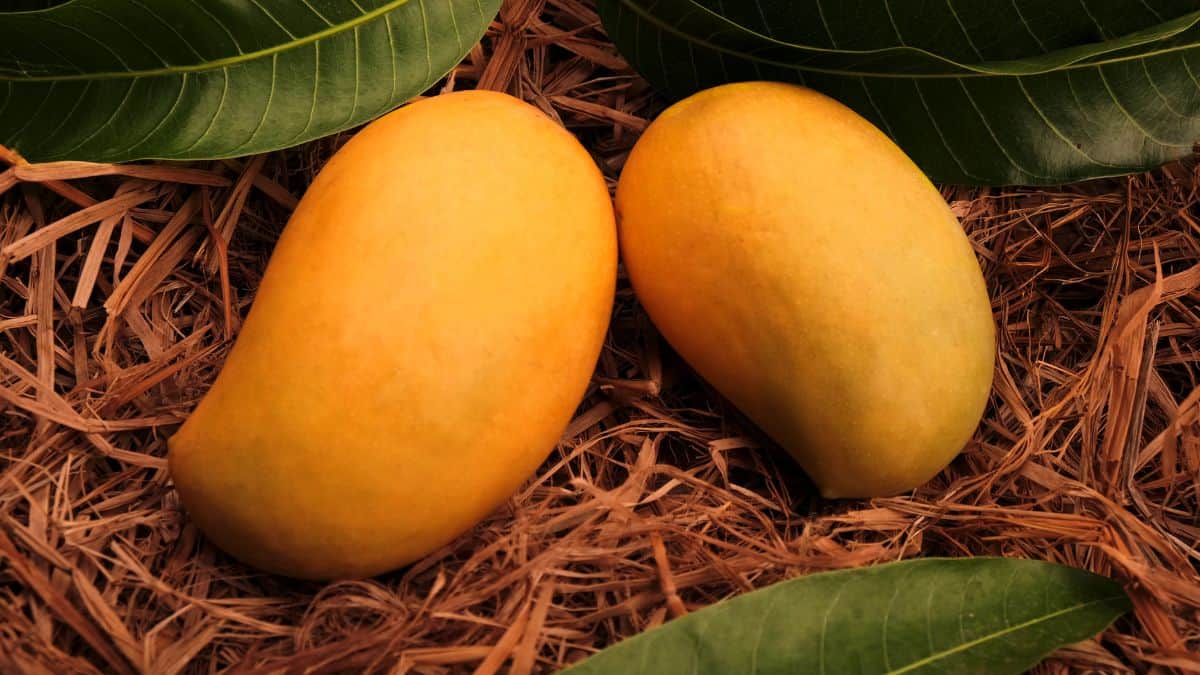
column 114, row 80
column 975, row 91
column 974, row 615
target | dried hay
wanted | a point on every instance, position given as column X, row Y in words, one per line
column 121, row 287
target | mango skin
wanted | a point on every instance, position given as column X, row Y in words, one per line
column 804, row 266
column 424, row 331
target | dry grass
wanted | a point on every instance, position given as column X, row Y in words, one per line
column 121, row 287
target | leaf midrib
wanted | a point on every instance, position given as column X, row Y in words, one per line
column 947, row 653
column 978, row 72
column 217, row 64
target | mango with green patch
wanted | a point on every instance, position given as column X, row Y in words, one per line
column 806, row 267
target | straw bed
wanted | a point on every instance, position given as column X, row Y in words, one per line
column 121, row 288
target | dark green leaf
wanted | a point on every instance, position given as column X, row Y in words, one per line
column 114, row 80
column 975, row 91
column 27, row 5
column 973, row 615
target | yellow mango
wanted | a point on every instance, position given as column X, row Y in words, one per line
column 426, row 327
column 803, row 265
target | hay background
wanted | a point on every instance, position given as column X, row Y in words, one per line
column 116, row 316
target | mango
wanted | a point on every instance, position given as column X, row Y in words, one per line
column 427, row 324
column 805, row 267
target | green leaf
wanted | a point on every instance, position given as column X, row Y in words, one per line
column 27, row 5
column 980, row 92
column 116, row 80
column 971, row 615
